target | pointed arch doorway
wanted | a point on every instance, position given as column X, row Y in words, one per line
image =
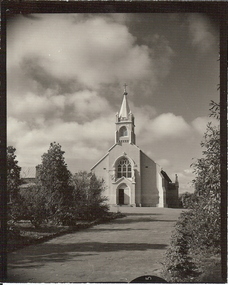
column 123, row 195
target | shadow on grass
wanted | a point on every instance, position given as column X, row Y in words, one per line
column 114, row 230
column 38, row 256
column 142, row 214
column 139, row 220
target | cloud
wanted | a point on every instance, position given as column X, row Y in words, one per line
column 15, row 130
column 63, row 81
column 188, row 171
column 200, row 124
column 162, row 54
column 185, row 180
column 93, row 46
column 38, row 110
column 168, row 125
column 89, row 140
column 200, row 32
column 163, row 162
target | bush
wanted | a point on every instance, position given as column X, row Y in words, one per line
column 12, row 232
column 187, row 200
column 87, row 196
column 34, row 205
column 179, row 263
column 197, row 232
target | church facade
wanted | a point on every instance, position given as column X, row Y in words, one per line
column 131, row 177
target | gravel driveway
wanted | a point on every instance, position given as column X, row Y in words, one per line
column 119, row 251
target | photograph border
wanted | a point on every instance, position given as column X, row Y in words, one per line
column 218, row 10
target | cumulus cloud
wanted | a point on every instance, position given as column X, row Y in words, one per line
column 89, row 140
column 168, row 125
column 200, row 124
column 200, row 32
column 93, row 45
column 162, row 54
column 63, row 76
column 80, row 106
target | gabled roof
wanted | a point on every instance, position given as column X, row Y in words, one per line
column 165, row 175
column 103, row 157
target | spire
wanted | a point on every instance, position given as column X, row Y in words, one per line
column 124, row 110
column 176, row 180
column 125, row 132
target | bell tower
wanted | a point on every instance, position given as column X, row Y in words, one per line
column 125, row 128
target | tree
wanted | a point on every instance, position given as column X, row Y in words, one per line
column 54, row 179
column 87, row 194
column 199, row 228
column 14, row 208
column 34, row 205
column 207, row 184
column 13, row 174
column 187, row 200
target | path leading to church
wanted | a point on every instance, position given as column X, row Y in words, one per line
column 118, row 251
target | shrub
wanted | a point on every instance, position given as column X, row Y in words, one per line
column 34, row 205
column 88, row 199
column 197, row 232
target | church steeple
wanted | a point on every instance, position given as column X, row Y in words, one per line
column 124, row 110
column 125, row 123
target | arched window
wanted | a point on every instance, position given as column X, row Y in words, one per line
column 124, row 168
column 123, row 132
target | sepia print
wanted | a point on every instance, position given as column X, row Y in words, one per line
column 113, row 144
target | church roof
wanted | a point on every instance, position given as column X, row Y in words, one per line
column 124, row 110
column 165, row 175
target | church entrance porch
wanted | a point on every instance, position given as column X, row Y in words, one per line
column 123, row 195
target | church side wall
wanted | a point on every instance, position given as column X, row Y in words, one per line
column 172, row 196
column 149, row 187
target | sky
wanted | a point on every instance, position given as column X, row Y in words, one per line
column 65, row 77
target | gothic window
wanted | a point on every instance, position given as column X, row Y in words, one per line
column 123, row 132
column 124, row 168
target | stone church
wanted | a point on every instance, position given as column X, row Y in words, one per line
column 131, row 177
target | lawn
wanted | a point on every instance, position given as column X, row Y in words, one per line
column 23, row 233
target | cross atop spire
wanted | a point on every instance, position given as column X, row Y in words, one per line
column 125, row 89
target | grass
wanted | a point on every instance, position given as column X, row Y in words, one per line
column 210, row 266
column 23, row 233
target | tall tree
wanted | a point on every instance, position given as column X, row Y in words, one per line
column 199, row 228
column 54, row 179
column 13, row 174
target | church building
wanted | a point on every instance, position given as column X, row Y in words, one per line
column 131, row 177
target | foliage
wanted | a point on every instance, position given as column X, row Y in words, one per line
column 87, row 194
column 54, row 179
column 198, row 230
column 187, row 199
column 13, row 174
column 179, row 263
column 57, row 195
column 34, row 207
column 13, row 183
